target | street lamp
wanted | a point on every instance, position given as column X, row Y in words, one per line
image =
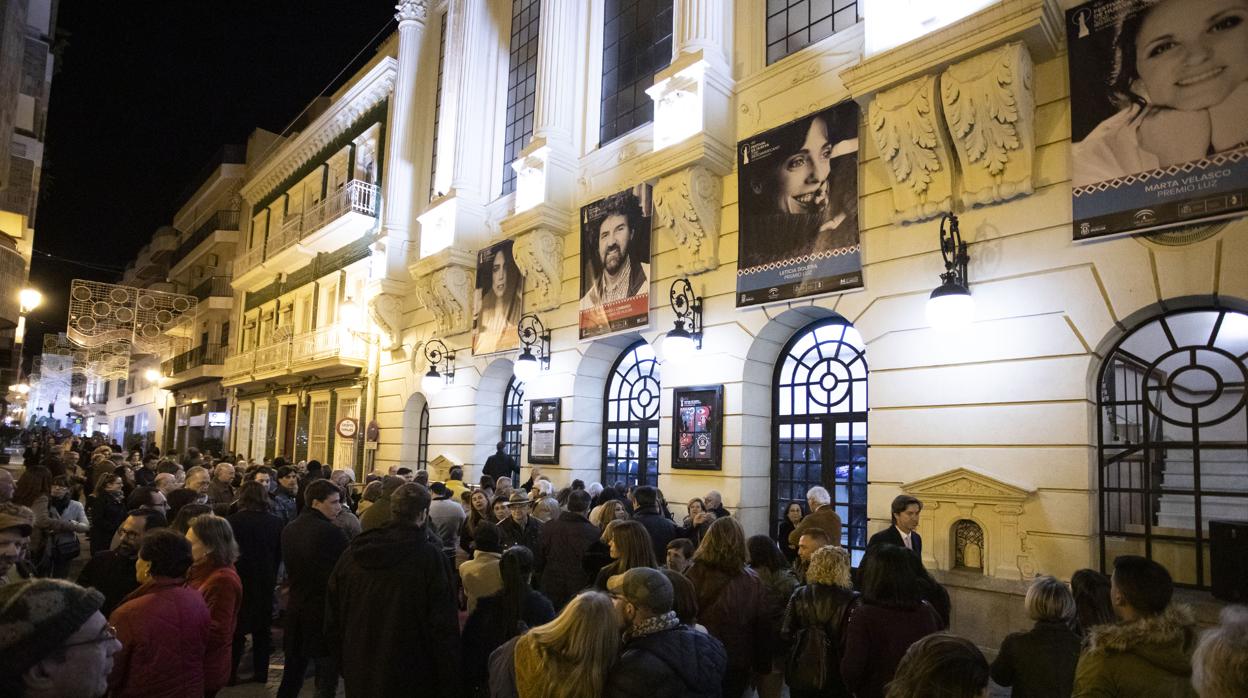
column 29, row 299
column 438, row 356
column 532, row 334
column 152, row 375
column 685, row 337
column 951, row 306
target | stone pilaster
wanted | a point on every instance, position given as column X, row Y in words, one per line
column 397, row 223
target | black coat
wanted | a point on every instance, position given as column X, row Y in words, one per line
column 1039, row 663
column 311, row 545
column 499, row 465
column 511, row 534
column 107, row 515
column 662, row 530
column 485, row 631
column 112, row 574
column 259, row 536
column 392, row 618
column 676, row 663
column 827, row 607
column 893, row 536
column 563, row 543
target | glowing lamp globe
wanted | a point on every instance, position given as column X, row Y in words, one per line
column 950, row 307
column 678, row 345
column 526, row 366
column 433, row 382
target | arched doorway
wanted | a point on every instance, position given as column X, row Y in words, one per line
column 819, row 425
column 1173, row 439
column 630, row 424
column 512, row 434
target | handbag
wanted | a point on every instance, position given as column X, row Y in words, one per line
column 66, row 547
column 807, row 668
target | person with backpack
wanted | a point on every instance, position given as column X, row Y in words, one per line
column 814, row 626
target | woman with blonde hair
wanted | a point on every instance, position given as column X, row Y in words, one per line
column 814, row 625
column 214, row 552
column 1041, row 661
column 566, row 658
column 732, row 603
column 630, row 546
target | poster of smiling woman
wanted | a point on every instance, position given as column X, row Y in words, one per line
column 615, row 263
column 798, row 204
column 1159, row 113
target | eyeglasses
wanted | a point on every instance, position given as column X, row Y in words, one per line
column 107, row 634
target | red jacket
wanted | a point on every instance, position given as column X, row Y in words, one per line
column 163, row 629
column 223, row 592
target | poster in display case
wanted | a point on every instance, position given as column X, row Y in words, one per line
column 544, row 417
column 698, row 427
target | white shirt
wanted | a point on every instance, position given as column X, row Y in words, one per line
column 905, row 538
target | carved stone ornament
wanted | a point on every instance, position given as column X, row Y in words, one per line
column 447, row 293
column 539, row 255
column 386, row 311
column 905, row 123
column 687, row 207
column 990, row 109
column 411, row 11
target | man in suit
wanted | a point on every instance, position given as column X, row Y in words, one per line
column 905, row 519
column 822, row 516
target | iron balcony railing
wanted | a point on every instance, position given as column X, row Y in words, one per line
column 221, row 220
column 355, row 196
column 249, row 260
column 204, row 354
column 286, row 236
column 239, row 364
column 213, row 286
column 332, row 342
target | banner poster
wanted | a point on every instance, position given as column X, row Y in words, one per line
column 615, row 263
column 498, row 299
column 1159, row 113
column 798, row 204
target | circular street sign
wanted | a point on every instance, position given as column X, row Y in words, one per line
column 348, row 427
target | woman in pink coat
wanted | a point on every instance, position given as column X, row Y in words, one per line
column 214, row 550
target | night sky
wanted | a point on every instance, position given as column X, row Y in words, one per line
column 144, row 95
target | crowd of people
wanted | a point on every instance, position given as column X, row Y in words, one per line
column 414, row 586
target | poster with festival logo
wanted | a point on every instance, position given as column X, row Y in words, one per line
column 798, row 203
column 615, row 263
column 1159, row 113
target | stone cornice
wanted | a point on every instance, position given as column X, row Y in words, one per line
column 369, row 91
column 1037, row 23
column 540, row 216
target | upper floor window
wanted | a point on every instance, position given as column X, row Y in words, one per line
column 792, row 25
column 521, row 85
column 636, row 44
column 437, row 109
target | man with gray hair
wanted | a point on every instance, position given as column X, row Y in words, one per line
column 822, row 516
column 221, row 489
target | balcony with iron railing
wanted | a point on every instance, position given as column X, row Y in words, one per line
column 213, row 287
column 238, row 367
column 342, row 216
column 327, row 350
column 202, row 355
column 219, row 221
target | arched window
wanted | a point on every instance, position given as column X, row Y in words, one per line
column 513, row 426
column 819, row 426
column 630, row 426
column 1173, row 439
column 422, row 451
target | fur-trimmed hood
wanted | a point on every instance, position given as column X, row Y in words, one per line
column 1165, row 640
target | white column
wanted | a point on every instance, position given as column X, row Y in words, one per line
column 559, row 32
column 701, row 25
column 399, row 165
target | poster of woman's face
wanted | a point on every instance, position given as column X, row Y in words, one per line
column 499, row 300
column 798, row 193
column 1159, row 113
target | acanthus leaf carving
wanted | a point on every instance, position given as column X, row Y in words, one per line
column 990, row 109
column 539, row 255
column 687, row 205
column 904, row 124
column 386, row 311
column 411, row 11
column 447, row 293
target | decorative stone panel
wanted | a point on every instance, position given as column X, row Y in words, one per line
column 905, row 123
column 443, row 283
column 990, row 110
column 995, row 505
column 687, row 208
column 386, row 311
column 539, row 255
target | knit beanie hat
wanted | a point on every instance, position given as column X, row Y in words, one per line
column 37, row 616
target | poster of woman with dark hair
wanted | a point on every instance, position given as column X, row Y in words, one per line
column 798, row 203
column 1159, row 113
column 615, row 263
column 499, row 300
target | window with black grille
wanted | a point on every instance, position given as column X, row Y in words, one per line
column 422, row 452
column 819, row 426
column 521, row 85
column 636, row 44
column 437, row 107
column 630, row 428
column 793, row 25
column 513, row 426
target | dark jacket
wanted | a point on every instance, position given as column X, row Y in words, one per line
column 485, row 631
column 223, row 592
column 789, row 549
column 677, row 663
column 499, row 465
column 733, row 607
column 391, row 616
column 259, row 536
column 825, row 518
column 112, row 574
column 1148, row 657
column 163, row 628
column 820, row 605
column 311, row 545
column 876, row 638
column 107, row 515
column 562, row 545
column 893, row 536
column 510, row 533
column 662, row 530
column 503, row 671
column 1039, row 663
column 377, row 515
column 282, row 505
